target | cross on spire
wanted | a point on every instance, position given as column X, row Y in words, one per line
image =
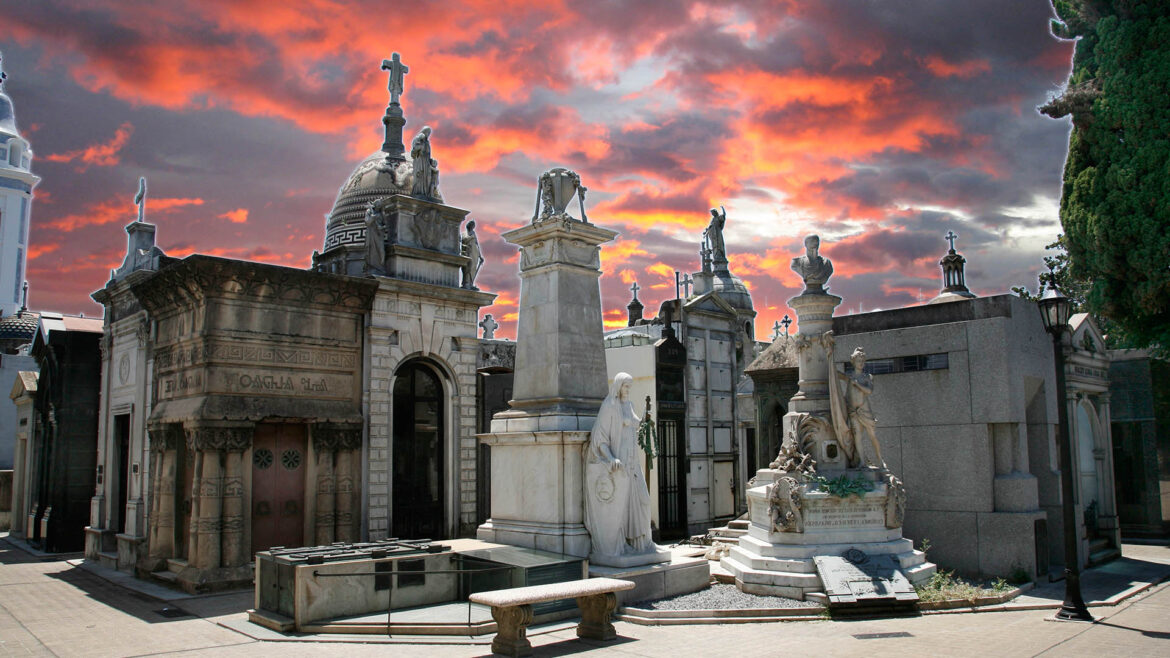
column 786, row 322
column 397, row 70
column 635, row 288
column 686, row 282
column 140, row 198
column 950, row 236
column 776, row 331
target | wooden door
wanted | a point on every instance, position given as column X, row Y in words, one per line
column 278, row 485
column 418, row 454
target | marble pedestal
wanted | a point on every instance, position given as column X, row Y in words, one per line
column 560, row 380
column 770, row 562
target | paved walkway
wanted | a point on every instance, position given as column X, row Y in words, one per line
column 51, row 607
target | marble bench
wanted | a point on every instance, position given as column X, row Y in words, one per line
column 512, row 610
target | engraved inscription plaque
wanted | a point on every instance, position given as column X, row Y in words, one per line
column 858, row 578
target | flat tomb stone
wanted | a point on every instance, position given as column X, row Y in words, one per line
column 855, row 577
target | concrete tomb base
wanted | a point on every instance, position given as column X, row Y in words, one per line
column 681, row 575
column 771, row 560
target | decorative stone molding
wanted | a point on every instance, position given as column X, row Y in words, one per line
column 226, row 439
column 895, row 501
column 166, row 436
column 332, row 437
column 784, row 505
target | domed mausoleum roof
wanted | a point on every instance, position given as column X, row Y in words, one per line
column 379, row 175
column 18, row 329
column 732, row 289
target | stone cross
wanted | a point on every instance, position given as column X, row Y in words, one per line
column 140, row 198
column 489, row 326
column 950, row 236
column 635, row 288
column 397, row 70
column 786, row 321
column 776, row 331
column 686, row 282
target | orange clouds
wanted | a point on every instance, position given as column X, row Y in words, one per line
column 114, row 210
column 945, row 69
column 100, row 155
column 237, row 216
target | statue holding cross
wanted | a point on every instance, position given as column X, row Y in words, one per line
column 397, row 71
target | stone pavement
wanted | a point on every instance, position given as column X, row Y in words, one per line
column 50, row 607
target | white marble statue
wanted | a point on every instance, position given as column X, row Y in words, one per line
column 813, row 268
column 617, row 501
column 852, row 415
column 471, row 249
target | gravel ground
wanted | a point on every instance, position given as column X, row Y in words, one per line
column 722, row 597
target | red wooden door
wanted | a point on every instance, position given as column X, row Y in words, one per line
column 278, row 485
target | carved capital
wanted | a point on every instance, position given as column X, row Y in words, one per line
column 166, row 436
column 225, row 439
column 333, row 437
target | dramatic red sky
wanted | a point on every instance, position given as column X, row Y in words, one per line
column 878, row 125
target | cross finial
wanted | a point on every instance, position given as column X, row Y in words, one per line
column 686, row 282
column 950, row 236
column 786, row 322
column 397, row 70
column 140, row 198
column 776, row 331
column 635, row 288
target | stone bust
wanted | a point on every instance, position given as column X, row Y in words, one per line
column 813, row 268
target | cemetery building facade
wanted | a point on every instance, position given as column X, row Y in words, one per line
column 1139, row 387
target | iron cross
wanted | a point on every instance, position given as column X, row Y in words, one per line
column 786, row 321
column 951, row 238
column 776, row 331
column 635, row 288
column 397, row 70
column 686, row 282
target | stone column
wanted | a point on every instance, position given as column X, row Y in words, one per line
column 347, row 479
column 165, row 442
column 560, row 381
column 814, row 316
column 324, row 484
column 234, row 550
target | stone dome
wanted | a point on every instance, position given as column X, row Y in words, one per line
column 732, row 289
column 18, row 329
column 379, row 175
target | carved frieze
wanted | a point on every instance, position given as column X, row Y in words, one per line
column 166, row 436
column 334, row 437
column 226, row 439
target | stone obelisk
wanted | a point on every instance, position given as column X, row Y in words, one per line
column 560, row 378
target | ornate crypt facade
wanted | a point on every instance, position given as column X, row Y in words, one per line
column 248, row 405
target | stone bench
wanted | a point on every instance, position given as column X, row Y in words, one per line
column 512, row 610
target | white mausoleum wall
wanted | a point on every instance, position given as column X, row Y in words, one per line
column 437, row 325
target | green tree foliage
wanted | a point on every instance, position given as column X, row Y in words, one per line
column 1115, row 203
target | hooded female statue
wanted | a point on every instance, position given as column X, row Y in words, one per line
column 617, row 501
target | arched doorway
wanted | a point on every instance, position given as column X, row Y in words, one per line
column 418, row 455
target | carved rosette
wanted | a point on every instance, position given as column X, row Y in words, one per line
column 895, row 501
column 225, row 439
column 784, row 505
column 333, row 437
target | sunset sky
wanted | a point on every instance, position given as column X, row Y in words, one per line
column 878, row 125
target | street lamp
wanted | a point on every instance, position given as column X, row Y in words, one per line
column 1054, row 310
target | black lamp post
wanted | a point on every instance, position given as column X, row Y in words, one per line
column 1055, row 309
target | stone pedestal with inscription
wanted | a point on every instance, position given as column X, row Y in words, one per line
column 825, row 524
column 560, row 381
